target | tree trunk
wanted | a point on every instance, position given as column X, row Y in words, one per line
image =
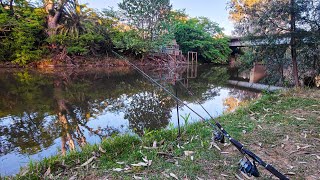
column 293, row 45
column 53, row 16
column 52, row 25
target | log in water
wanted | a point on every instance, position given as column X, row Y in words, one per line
column 255, row 86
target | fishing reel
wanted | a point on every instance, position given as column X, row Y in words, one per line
column 248, row 168
column 218, row 136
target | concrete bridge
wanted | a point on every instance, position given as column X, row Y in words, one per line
column 280, row 39
column 257, row 41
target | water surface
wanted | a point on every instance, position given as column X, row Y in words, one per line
column 51, row 112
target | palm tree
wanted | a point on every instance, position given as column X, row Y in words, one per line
column 76, row 18
column 68, row 17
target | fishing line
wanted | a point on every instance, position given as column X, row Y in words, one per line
column 161, row 86
column 192, row 94
column 245, row 165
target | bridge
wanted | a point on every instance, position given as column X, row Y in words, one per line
column 280, row 39
column 257, row 41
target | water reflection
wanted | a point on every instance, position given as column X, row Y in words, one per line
column 46, row 113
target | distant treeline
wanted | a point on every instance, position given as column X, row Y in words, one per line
column 48, row 28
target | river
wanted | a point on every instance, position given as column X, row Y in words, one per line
column 45, row 113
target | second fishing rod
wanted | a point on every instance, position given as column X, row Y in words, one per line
column 246, row 166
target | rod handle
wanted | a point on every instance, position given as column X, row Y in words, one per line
column 276, row 172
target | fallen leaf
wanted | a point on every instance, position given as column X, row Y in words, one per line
column 267, row 110
column 102, row 150
column 188, row 153
column 117, row 169
column 161, row 142
column 120, row 163
column 302, row 162
column 300, row 119
column 137, row 177
column 88, row 161
column 154, row 145
column 47, row 173
column 238, row 177
column 305, row 147
column 24, row 171
column 213, row 144
column 74, row 177
column 174, row 176
column 145, row 147
column 290, row 173
column 140, row 164
column 166, row 175
column 149, row 162
column 145, row 159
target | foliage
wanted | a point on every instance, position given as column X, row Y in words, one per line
column 198, row 35
column 84, row 44
column 146, row 26
column 238, row 8
column 146, row 16
column 21, row 34
column 277, row 23
column 59, row 28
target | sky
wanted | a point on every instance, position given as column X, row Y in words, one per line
column 216, row 10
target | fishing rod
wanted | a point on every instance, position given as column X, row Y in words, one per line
column 245, row 164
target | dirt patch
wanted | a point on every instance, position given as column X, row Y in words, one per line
column 312, row 93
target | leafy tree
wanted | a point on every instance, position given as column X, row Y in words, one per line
column 238, row 9
column 21, row 34
column 197, row 35
column 146, row 15
column 290, row 28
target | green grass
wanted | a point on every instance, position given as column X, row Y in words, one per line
column 272, row 113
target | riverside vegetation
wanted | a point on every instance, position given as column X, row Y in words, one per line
column 59, row 32
column 282, row 128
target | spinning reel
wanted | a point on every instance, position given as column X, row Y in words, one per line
column 248, row 168
column 218, row 136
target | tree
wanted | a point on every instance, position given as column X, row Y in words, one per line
column 197, row 35
column 146, row 15
column 289, row 28
column 21, row 34
column 54, row 10
column 238, row 8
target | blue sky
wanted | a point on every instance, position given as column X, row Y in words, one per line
column 214, row 9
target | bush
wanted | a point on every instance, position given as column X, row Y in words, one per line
column 22, row 35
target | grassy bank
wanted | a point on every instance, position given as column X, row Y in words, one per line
column 283, row 129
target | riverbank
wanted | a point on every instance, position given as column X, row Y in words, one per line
column 94, row 61
column 283, row 129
